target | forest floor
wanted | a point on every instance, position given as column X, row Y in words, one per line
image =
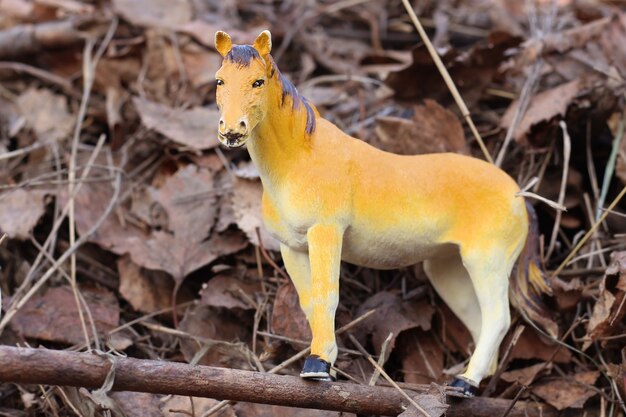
column 115, row 196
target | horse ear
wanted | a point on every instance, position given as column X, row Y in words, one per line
column 263, row 43
column 223, row 44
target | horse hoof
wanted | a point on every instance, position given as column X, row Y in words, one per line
column 468, row 389
column 316, row 369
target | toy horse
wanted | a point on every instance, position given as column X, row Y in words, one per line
column 328, row 197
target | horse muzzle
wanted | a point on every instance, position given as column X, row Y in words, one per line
column 233, row 139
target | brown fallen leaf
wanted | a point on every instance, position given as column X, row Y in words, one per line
column 201, row 66
column 562, row 393
column 531, row 345
column 147, row 291
column 181, row 241
column 542, row 107
column 471, row 71
column 264, row 410
column 422, row 357
column 221, row 333
column 393, row 316
column 204, row 32
column 53, row 315
column 431, row 129
column 155, row 13
column 246, row 206
column 528, row 375
column 455, row 336
column 46, row 113
column 137, row 404
column 610, row 308
column 183, row 406
column 20, row 211
column 288, row 319
column 433, row 402
column 229, row 292
column 195, row 127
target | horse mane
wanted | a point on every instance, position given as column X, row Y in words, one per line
column 242, row 55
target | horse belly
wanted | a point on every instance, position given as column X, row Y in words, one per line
column 387, row 250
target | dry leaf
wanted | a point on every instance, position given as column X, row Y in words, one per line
column 265, row 410
column 20, row 211
column 432, row 129
column 246, row 204
column 532, row 346
column 528, row 375
column 221, row 333
column 204, row 32
column 229, row 292
column 155, row 13
column 433, row 402
column 184, row 406
column 46, row 113
column 393, row 316
column 53, row 316
column 422, row 357
column 542, row 107
column 456, row 337
column 471, row 71
column 182, row 243
column 562, row 393
column 22, row 9
column 288, row 319
column 195, row 127
column 147, row 291
column 609, row 310
column 137, row 404
column 188, row 200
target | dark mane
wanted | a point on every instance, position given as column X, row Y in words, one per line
column 296, row 99
column 243, row 55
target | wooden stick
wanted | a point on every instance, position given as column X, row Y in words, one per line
column 52, row 367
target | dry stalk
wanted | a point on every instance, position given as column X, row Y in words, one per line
column 89, row 73
column 64, row 257
column 448, row 80
column 567, row 151
column 386, row 376
column 589, row 233
column 522, row 106
column 610, row 165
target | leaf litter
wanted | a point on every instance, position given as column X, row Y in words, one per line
column 188, row 215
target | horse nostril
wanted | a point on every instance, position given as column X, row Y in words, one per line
column 221, row 123
column 243, row 125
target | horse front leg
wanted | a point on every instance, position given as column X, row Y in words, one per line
column 325, row 241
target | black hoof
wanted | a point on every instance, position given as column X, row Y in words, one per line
column 468, row 389
column 316, row 369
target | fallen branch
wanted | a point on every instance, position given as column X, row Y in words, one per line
column 30, row 39
column 51, row 367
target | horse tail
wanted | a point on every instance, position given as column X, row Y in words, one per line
column 528, row 282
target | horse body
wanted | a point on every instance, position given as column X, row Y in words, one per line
column 391, row 207
column 330, row 197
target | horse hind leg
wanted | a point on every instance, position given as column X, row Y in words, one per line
column 452, row 282
column 489, row 274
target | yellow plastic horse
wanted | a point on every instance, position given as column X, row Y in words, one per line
column 330, row 197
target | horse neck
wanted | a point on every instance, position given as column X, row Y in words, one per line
column 280, row 141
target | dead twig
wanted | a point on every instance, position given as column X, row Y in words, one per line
column 50, row 367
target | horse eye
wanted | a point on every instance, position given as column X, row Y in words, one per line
column 220, row 82
column 258, row 83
